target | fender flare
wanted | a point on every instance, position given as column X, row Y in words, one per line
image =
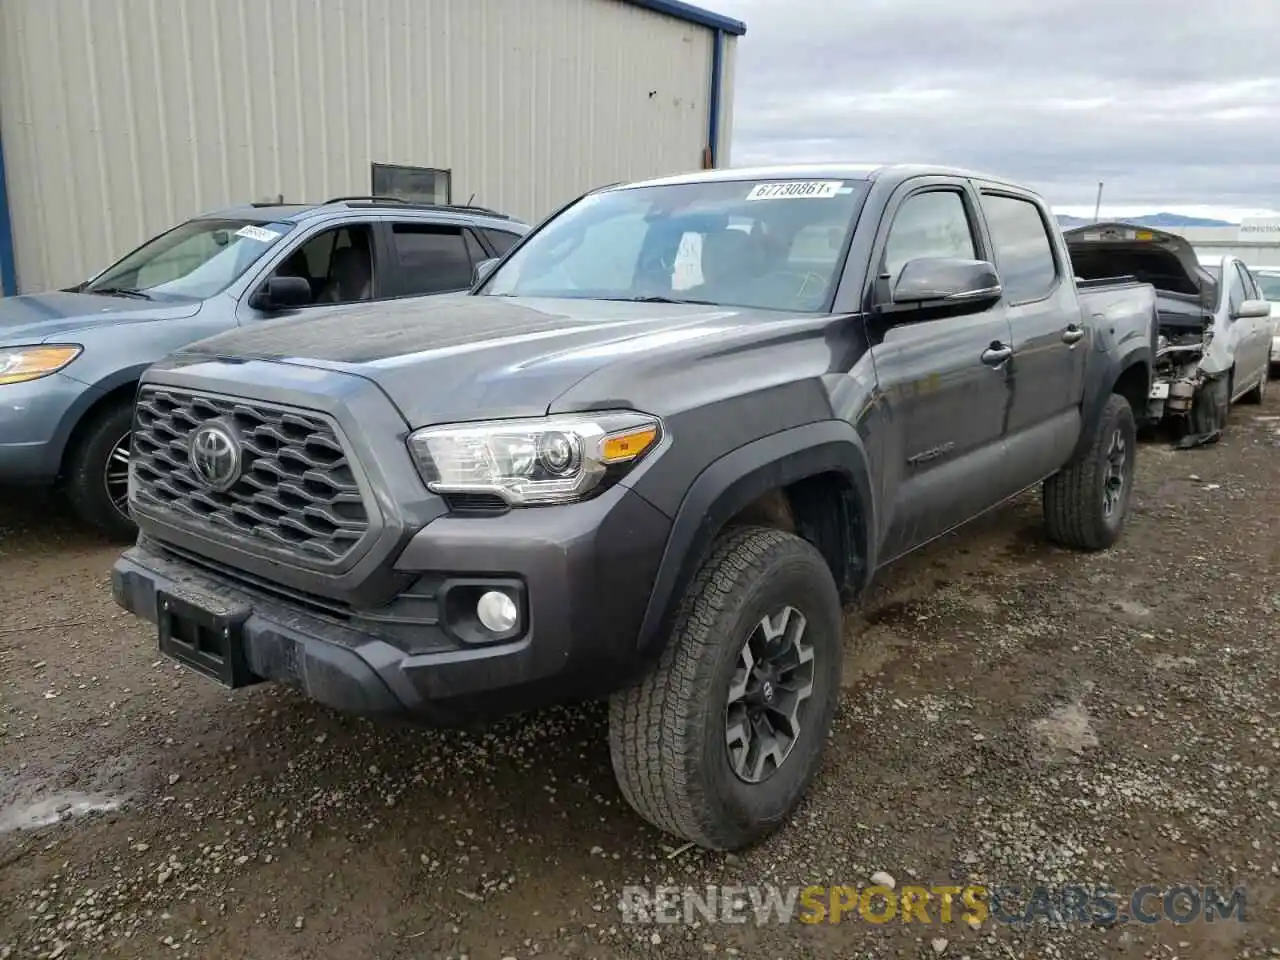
column 738, row 478
column 90, row 396
column 1100, row 386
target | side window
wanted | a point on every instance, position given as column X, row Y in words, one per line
column 500, row 240
column 932, row 224
column 337, row 263
column 1250, row 288
column 432, row 258
column 474, row 250
column 1024, row 253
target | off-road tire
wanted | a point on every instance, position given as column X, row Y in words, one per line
column 667, row 732
column 84, row 485
column 1259, row 393
column 1073, row 498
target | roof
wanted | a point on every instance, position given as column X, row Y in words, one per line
column 691, row 14
column 812, row 171
column 299, row 212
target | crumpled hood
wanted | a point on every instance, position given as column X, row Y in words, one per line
column 40, row 317
column 448, row 359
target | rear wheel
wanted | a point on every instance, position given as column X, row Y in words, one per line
column 97, row 477
column 720, row 742
column 1086, row 502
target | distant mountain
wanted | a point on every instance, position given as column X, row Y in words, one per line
column 1151, row 220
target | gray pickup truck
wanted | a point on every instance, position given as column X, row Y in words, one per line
column 647, row 458
column 70, row 359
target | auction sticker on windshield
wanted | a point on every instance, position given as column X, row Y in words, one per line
column 261, row 234
column 797, row 190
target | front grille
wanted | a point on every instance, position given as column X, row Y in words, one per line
column 296, row 491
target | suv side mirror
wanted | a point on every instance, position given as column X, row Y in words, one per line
column 946, row 280
column 483, row 269
column 1253, row 309
column 282, row 293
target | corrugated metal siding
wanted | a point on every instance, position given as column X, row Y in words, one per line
column 123, row 117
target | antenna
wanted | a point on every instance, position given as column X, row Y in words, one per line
column 469, row 200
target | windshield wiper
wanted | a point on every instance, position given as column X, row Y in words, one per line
column 658, row 299
column 120, row 292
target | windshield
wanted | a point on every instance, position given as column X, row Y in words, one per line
column 1269, row 284
column 742, row 243
column 194, row 260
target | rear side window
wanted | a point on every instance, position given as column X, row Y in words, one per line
column 932, row 224
column 500, row 240
column 431, row 258
column 1024, row 253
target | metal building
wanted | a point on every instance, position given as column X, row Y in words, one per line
column 120, row 118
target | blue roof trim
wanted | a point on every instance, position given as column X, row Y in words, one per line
column 688, row 12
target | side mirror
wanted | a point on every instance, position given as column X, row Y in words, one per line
column 282, row 293
column 946, row 280
column 1253, row 309
column 483, row 269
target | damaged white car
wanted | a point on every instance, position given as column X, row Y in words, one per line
column 1214, row 341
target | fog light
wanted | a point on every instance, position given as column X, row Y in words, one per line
column 497, row 611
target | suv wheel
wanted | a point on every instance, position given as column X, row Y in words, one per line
column 97, row 477
column 1086, row 502
column 719, row 743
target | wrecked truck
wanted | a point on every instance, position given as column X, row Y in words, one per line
column 1214, row 337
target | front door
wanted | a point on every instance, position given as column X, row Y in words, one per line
column 1050, row 339
column 342, row 265
column 943, row 381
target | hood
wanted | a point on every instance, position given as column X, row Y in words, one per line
column 449, row 359
column 40, row 317
column 1165, row 260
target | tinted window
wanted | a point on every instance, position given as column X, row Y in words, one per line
column 474, row 250
column 500, row 240
column 432, row 259
column 928, row 225
column 1024, row 254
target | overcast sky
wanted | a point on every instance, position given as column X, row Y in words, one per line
column 1175, row 105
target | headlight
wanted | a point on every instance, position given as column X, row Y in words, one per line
column 18, row 364
column 545, row 460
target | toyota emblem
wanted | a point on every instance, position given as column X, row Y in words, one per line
column 215, row 456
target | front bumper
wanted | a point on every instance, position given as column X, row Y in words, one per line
column 586, row 570
column 31, row 418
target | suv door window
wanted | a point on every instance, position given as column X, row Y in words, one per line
column 433, row 258
column 1023, row 250
column 1250, row 289
column 932, row 224
column 337, row 263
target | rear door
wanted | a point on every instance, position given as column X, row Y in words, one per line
column 1049, row 339
column 1259, row 332
column 946, row 403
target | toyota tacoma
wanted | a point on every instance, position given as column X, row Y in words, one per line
column 647, row 457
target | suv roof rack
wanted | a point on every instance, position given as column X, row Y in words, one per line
column 374, row 201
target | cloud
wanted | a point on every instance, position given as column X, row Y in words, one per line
column 1171, row 103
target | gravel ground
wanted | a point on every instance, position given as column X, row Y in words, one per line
column 1011, row 713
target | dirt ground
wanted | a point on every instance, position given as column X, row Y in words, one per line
column 1012, row 713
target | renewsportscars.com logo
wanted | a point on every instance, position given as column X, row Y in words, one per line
column 1090, row 905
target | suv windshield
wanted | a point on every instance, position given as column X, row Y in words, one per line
column 743, row 243
column 195, row 260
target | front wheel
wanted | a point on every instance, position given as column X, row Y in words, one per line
column 97, row 477
column 1086, row 502
column 719, row 743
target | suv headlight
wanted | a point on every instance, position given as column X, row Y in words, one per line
column 19, row 364
column 544, row 460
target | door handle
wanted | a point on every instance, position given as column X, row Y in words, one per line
column 996, row 354
column 1072, row 334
